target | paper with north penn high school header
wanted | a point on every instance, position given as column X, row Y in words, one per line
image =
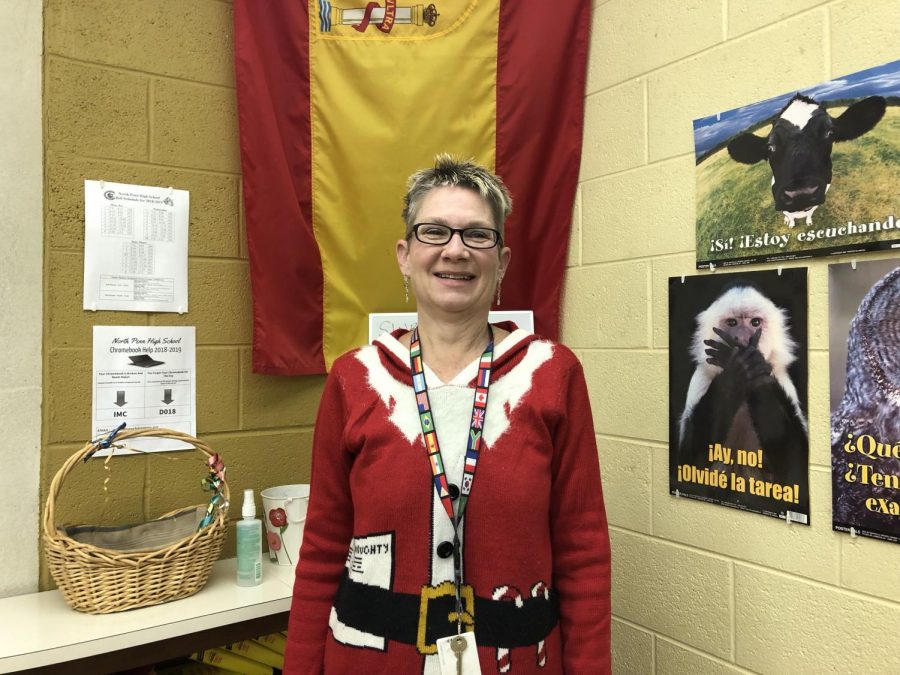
column 135, row 247
column 144, row 376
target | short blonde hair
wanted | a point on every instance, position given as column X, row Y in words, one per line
column 447, row 171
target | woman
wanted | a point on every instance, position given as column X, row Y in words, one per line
column 457, row 463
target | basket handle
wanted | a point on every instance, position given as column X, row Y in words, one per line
column 48, row 520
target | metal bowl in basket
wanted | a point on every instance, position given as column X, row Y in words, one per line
column 100, row 579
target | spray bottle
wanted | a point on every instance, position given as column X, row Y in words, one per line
column 249, row 544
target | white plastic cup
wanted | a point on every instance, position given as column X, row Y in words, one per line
column 284, row 513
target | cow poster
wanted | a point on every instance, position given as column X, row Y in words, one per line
column 864, row 345
column 809, row 173
column 737, row 383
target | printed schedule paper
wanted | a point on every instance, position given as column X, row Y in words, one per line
column 145, row 376
column 135, row 247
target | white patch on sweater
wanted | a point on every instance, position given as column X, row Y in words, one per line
column 404, row 416
column 353, row 637
column 505, row 392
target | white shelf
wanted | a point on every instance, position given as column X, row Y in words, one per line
column 40, row 629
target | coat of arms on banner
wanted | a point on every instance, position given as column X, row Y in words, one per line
column 339, row 20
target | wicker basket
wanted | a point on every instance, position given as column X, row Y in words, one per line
column 100, row 580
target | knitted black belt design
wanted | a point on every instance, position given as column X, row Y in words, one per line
column 421, row 619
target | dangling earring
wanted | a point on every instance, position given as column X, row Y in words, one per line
column 406, row 289
column 499, row 281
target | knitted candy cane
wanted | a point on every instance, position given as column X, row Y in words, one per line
column 506, row 593
column 538, row 590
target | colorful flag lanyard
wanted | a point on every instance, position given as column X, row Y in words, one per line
column 473, row 444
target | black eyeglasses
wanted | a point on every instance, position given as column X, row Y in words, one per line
column 436, row 234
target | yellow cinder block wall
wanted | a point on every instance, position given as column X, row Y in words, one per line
column 143, row 92
column 699, row 588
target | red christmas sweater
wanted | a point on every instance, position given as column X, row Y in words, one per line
column 374, row 588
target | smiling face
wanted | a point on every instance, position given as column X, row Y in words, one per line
column 453, row 278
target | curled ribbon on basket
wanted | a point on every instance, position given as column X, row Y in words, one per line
column 214, row 482
column 217, row 466
column 105, row 443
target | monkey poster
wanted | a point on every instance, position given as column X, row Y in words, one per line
column 864, row 345
column 738, row 371
column 811, row 172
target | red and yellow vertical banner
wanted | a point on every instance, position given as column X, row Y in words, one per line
column 339, row 101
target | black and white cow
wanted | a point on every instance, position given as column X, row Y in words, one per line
column 799, row 150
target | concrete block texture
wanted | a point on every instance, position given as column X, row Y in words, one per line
column 819, row 412
column 862, row 561
column 735, row 74
column 626, row 469
column 632, row 649
column 95, row 111
column 218, row 390
column 213, row 228
column 189, row 39
column 614, row 130
column 245, row 254
column 194, row 126
column 747, row 15
column 640, row 213
column 67, row 396
column 661, row 270
column 631, row 37
column 787, row 625
column 68, row 325
column 863, row 34
column 573, row 255
column 273, row 401
column 606, row 306
column 219, row 303
column 628, row 393
column 811, row 551
column 679, row 593
column 676, row 659
column 262, row 460
column 255, row 460
column 817, row 279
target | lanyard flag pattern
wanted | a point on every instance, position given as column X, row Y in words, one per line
column 339, row 101
column 429, row 434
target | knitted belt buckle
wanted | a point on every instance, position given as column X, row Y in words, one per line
column 444, row 589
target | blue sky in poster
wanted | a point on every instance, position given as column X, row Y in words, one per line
column 714, row 130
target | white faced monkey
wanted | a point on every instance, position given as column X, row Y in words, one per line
column 741, row 394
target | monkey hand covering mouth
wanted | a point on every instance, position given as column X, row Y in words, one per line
column 742, row 364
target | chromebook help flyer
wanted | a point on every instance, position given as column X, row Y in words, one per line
column 144, row 376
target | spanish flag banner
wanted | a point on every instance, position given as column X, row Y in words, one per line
column 339, row 101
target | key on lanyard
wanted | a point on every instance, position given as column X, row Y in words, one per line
column 458, row 646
